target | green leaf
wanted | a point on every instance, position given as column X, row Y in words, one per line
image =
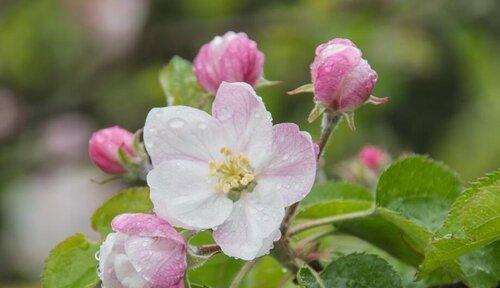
column 473, row 222
column 360, row 270
column 334, row 198
column 481, row 267
column 267, row 272
column 217, row 272
column 180, row 85
column 132, row 200
column 71, row 264
column 419, row 189
column 308, row 278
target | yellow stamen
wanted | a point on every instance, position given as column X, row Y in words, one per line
column 234, row 173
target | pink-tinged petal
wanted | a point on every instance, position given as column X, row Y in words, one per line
column 126, row 273
column 358, row 85
column 245, row 119
column 106, row 269
column 292, row 168
column 145, row 225
column 268, row 243
column 182, row 193
column 329, row 69
column 255, row 217
column 160, row 261
column 180, row 132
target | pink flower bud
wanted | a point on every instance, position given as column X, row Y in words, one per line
column 372, row 157
column 104, row 145
column 342, row 80
column 230, row 58
column 144, row 252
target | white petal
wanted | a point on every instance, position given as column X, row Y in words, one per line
column 245, row 118
column 292, row 168
column 255, row 217
column 268, row 243
column 180, row 132
column 182, row 193
column 112, row 246
column 126, row 273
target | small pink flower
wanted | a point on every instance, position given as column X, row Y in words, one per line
column 342, row 80
column 104, row 145
column 230, row 58
column 144, row 252
column 372, row 157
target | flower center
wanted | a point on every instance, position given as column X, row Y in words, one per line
column 234, row 173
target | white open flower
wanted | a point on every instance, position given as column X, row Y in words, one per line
column 233, row 172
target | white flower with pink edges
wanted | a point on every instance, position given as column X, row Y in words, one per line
column 233, row 172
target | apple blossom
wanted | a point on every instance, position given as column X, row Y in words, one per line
column 104, row 145
column 342, row 79
column 233, row 171
column 232, row 57
column 143, row 252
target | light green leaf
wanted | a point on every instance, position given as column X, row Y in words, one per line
column 267, row 272
column 181, row 87
column 308, row 278
column 216, row 272
column 360, row 270
column 132, row 200
column 72, row 264
column 419, row 189
column 333, row 198
column 481, row 267
column 473, row 222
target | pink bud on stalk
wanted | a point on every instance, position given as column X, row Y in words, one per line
column 342, row 80
column 104, row 147
column 144, row 252
column 372, row 157
column 232, row 57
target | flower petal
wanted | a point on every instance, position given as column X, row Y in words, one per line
column 127, row 274
column 292, row 169
column 160, row 261
column 245, row 118
column 182, row 193
column 268, row 243
column 255, row 217
column 180, row 132
column 106, row 269
column 145, row 225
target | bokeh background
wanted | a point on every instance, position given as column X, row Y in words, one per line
column 69, row 67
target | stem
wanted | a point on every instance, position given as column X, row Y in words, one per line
column 241, row 274
column 314, row 237
column 327, row 220
column 330, row 122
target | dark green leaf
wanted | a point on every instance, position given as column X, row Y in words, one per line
column 419, row 189
column 360, row 271
column 180, row 85
column 308, row 278
column 132, row 200
column 473, row 222
column 72, row 264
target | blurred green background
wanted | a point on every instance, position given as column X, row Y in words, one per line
column 68, row 68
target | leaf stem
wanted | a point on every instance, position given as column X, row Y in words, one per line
column 327, row 220
column 241, row 274
column 208, row 249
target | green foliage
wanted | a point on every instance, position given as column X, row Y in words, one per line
column 419, row 189
column 334, row 198
column 132, row 200
column 180, row 85
column 473, row 222
column 413, row 197
column 353, row 271
column 71, row 264
column 308, row 278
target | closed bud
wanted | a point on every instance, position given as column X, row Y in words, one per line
column 373, row 157
column 105, row 146
column 232, row 57
column 341, row 78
